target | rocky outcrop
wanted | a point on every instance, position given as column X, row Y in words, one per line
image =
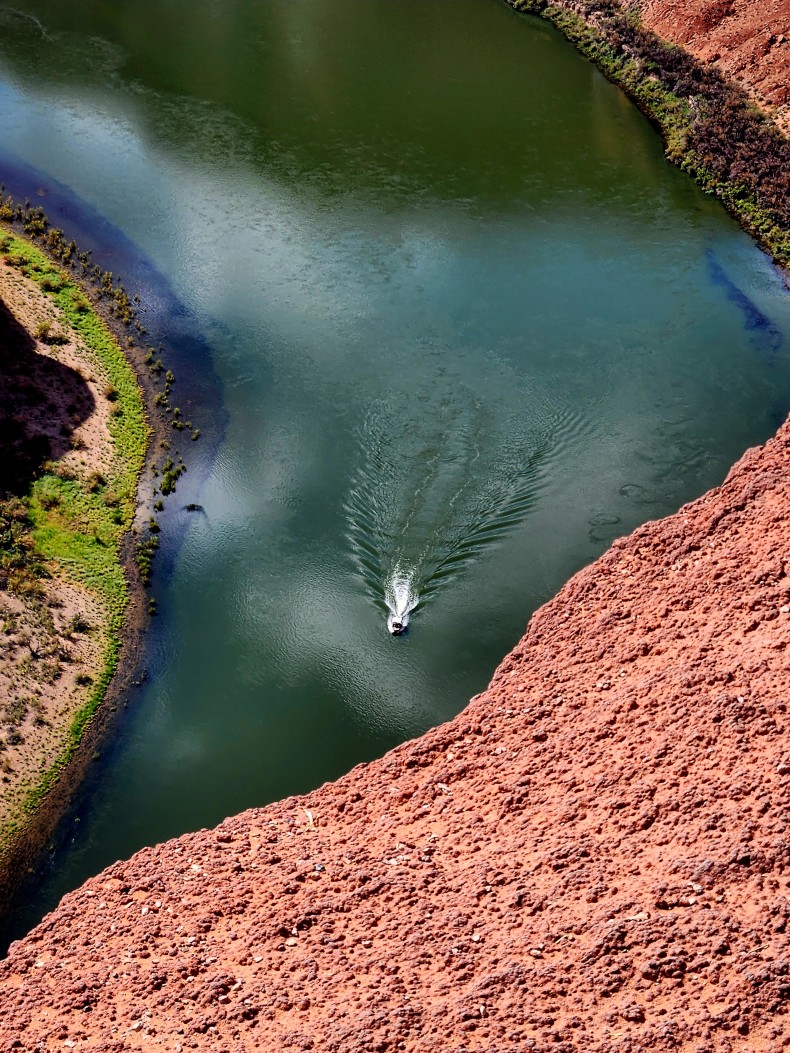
column 595, row 855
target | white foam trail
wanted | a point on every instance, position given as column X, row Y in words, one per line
column 443, row 475
column 401, row 599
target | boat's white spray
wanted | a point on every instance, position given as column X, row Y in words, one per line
column 401, row 599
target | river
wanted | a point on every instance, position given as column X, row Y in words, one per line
column 457, row 325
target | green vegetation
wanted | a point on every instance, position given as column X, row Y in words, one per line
column 171, row 473
column 128, row 426
column 145, row 555
column 710, row 127
column 20, row 567
column 73, row 525
column 126, row 423
column 66, row 522
column 106, row 286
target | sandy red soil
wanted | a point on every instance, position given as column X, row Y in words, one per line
column 749, row 40
column 594, row 856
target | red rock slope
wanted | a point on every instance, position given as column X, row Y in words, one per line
column 594, row 856
column 748, row 39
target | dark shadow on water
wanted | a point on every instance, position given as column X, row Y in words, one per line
column 42, row 403
column 766, row 338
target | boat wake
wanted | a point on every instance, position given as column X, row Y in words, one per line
column 431, row 494
column 401, row 599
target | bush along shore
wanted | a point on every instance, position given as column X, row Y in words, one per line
column 74, row 438
column 710, row 127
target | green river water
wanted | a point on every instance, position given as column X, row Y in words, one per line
column 457, row 324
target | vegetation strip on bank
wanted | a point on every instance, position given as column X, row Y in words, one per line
column 710, row 127
column 76, row 521
column 63, row 524
column 67, row 510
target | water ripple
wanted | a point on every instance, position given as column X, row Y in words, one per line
column 434, row 489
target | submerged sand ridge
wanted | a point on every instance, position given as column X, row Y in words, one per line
column 595, row 855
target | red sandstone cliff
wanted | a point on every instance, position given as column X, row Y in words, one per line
column 749, row 40
column 595, row 855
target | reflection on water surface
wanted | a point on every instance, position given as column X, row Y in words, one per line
column 468, row 327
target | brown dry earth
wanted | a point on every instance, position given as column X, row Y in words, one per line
column 52, row 403
column 594, row 856
column 748, row 40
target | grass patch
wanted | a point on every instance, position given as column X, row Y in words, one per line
column 75, row 525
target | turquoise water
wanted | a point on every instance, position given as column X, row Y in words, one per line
column 464, row 327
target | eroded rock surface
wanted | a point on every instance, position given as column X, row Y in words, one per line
column 594, row 856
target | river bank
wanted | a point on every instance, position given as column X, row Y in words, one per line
column 74, row 441
column 592, row 856
column 711, row 127
column 133, row 331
